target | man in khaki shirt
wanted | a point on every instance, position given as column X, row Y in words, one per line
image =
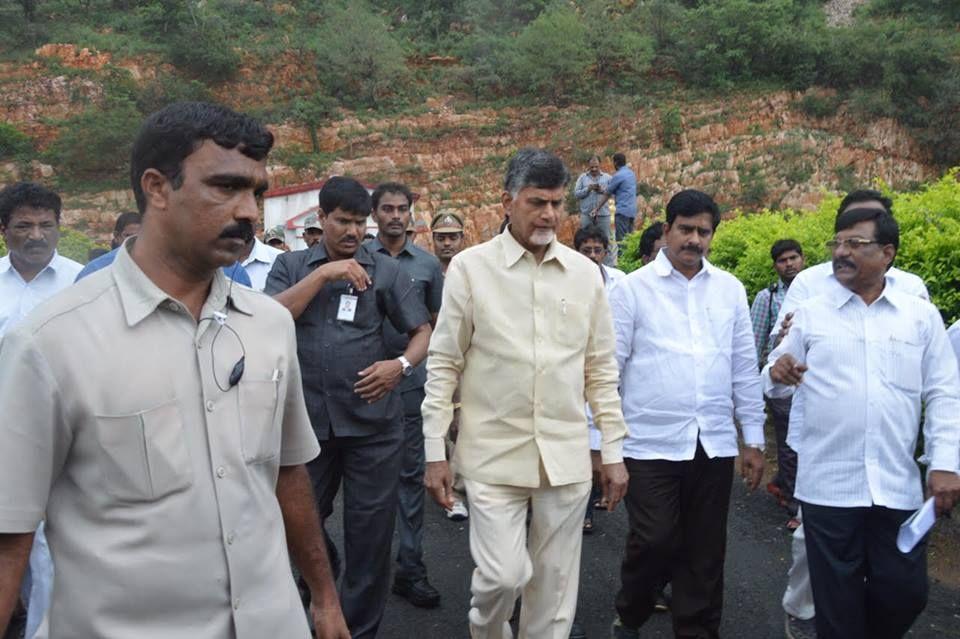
column 526, row 330
column 159, row 420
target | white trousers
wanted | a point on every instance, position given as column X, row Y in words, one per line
column 798, row 599
column 544, row 568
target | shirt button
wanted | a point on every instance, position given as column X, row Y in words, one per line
column 230, row 539
column 221, row 472
column 210, row 405
column 173, row 306
column 236, row 603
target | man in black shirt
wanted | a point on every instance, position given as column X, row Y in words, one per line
column 340, row 295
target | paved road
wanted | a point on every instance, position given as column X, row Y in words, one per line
column 757, row 561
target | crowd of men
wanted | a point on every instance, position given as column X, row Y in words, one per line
column 190, row 404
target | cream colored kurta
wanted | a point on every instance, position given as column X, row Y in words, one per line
column 529, row 342
column 159, row 489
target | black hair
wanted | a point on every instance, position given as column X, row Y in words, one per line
column 649, row 238
column 690, row 202
column 866, row 195
column 391, row 187
column 534, row 167
column 27, row 194
column 346, row 194
column 619, row 159
column 170, row 135
column 125, row 219
column 782, row 246
column 887, row 229
column 590, row 232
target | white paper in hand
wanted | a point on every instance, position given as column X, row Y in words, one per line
column 914, row 529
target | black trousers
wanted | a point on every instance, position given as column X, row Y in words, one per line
column 678, row 533
column 863, row 586
column 369, row 469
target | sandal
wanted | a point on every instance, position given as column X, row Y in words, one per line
column 587, row 526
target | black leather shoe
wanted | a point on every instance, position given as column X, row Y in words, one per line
column 577, row 632
column 420, row 593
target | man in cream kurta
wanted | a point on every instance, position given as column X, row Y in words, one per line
column 525, row 329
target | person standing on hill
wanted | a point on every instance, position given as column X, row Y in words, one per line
column 623, row 188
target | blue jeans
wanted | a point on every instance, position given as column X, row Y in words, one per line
column 624, row 225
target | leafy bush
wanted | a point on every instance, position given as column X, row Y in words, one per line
column 14, row 144
column 207, row 51
column 166, row 89
column 929, row 236
column 97, row 142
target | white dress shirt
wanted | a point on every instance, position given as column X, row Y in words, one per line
column 870, row 370
column 610, row 278
column 259, row 263
column 954, row 334
column 819, row 279
column 688, row 365
column 18, row 298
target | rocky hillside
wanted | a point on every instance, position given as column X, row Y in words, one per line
column 750, row 150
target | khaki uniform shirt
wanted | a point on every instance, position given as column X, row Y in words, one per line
column 530, row 342
column 158, row 487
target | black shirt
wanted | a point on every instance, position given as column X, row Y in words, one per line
column 332, row 352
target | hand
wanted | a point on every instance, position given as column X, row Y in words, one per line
column 613, row 483
column 378, row 379
column 784, row 327
column 328, row 621
column 346, row 271
column 944, row 487
column 751, row 466
column 786, row 370
column 438, row 481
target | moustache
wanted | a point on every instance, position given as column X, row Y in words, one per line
column 696, row 249
column 34, row 245
column 242, row 230
column 843, row 262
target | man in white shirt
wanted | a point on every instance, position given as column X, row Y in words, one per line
column 954, row 334
column 809, row 283
column 258, row 261
column 30, row 273
column 869, row 356
column 688, row 369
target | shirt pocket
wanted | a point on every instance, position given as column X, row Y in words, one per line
column 571, row 322
column 260, row 420
column 720, row 325
column 145, row 454
column 904, row 366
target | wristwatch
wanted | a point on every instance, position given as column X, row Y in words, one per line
column 407, row 367
column 759, row 447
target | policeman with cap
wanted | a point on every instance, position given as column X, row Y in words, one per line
column 274, row 237
column 447, row 227
column 312, row 229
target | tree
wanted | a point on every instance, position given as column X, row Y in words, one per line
column 312, row 111
column 358, row 59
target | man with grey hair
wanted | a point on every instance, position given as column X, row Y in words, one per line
column 523, row 302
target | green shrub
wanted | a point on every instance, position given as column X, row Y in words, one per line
column 929, row 236
column 818, row 106
column 96, row 143
column 671, row 128
column 14, row 144
column 206, row 51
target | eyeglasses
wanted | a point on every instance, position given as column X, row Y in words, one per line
column 851, row 243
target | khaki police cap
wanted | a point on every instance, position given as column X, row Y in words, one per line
column 275, row 233
column 447, row 222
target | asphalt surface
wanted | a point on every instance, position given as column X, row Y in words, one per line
column 758, row 556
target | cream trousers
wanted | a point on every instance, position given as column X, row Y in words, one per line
column 543, row 566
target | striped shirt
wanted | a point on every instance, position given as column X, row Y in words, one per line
column 763, row 314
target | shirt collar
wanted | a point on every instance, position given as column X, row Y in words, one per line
column 842, row 294
column 513, row 250
column 259, row 253
column 318, row 253
column 140, row 297
column 6, row 264
column 376, row 245
column 664, row 267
